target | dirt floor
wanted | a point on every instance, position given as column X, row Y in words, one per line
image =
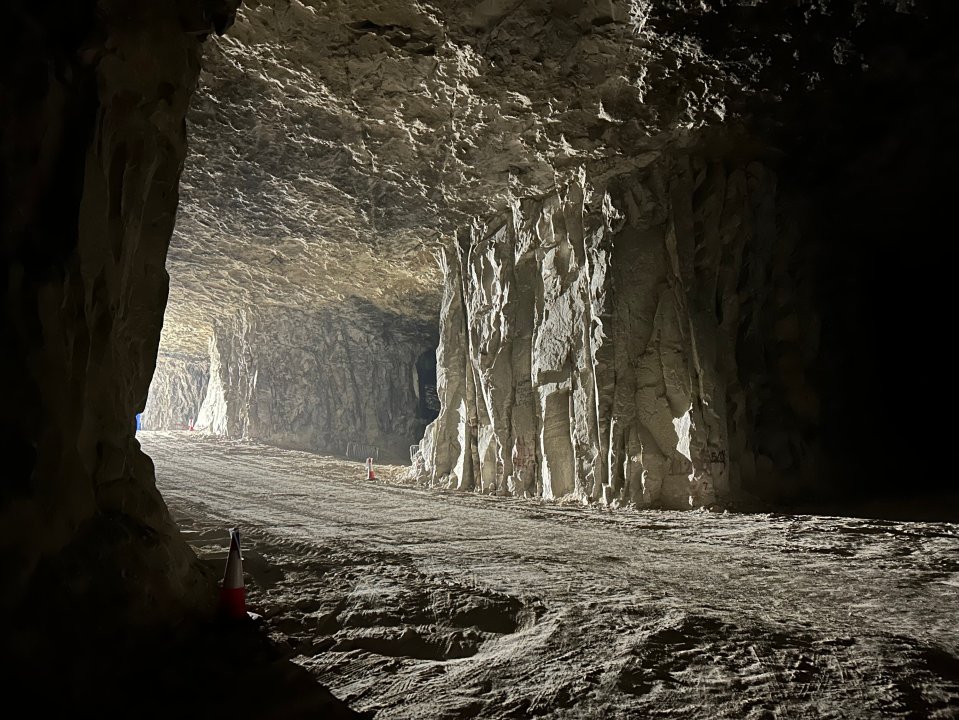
column 426, row 604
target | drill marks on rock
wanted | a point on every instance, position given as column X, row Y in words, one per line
column 419, row 520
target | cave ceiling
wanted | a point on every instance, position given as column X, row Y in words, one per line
column 334, row 146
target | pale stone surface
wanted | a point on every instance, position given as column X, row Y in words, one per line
column 628, row 317
column 176, row 392
column 316, row 382
column 593, row 343
column 336, row 144
column 600, row 294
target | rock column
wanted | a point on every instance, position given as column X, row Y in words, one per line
column 600, row 343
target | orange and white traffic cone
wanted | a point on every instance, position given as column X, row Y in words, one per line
column 369, row 469
column 233, row 594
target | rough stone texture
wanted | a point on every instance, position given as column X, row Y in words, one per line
column 92, row 104
column 176, row 392
column 99, row 590
column 317, row 382
column 603, row 344
column 336, row 144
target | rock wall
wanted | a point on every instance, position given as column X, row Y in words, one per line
column 337, row 382
column 637, row 343
column 92, row 104
column 176, row 392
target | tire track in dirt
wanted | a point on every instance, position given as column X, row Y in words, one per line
column 391, row 595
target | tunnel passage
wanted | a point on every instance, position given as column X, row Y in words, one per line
column 733, row 320
column 177, row 391
column 607, row 149
column 428, row 402
column 349, row 381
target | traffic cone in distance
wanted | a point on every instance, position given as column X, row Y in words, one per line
column 233, row 594
column 369, row 469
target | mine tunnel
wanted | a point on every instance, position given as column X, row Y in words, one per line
column 555, row 359
column 428, row 402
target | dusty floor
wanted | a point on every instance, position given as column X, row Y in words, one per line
column 426, row 604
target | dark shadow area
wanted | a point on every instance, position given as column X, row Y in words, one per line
column 876, row 164
column 429, row 402
column 105, row 613
column 215, row 670
column 78, row 649
column 859, row 107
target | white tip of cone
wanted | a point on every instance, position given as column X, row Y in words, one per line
column 233, row 576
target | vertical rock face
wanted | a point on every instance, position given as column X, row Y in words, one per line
column 92, row 107
column 605, row 343
column 356, row 137
column 325, row 381
column 176, row 392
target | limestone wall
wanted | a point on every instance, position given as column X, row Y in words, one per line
column 176, row 392
column 637, row 343
column 322, row 381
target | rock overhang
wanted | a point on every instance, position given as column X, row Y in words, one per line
column 335, row 146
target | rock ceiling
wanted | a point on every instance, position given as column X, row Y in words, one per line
column 336, row 144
